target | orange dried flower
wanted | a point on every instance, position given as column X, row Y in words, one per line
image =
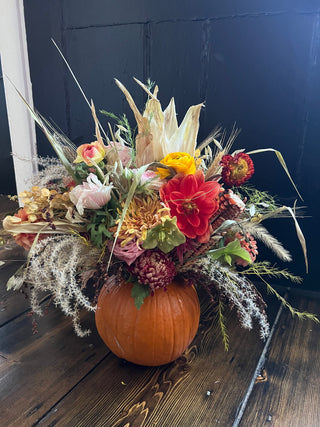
column 237, row 169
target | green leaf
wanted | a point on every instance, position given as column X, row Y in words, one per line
column 139, row 292
column 231, row 251
column 100, row 223
column 228, row 259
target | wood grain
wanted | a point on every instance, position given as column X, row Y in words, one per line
column 11, row 303
column 291, row 395
column 36, row 371
column 203, row 387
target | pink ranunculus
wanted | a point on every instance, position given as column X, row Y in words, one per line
column 91, row 194
column 89, row 153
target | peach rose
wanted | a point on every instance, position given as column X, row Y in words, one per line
column 89, row 153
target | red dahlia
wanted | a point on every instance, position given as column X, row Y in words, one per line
column 237, row 169
column 193, row 201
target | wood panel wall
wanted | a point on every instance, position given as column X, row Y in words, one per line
column 253, row 63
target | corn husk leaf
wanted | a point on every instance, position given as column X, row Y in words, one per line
column 61, row 227
column 158, row 131
column 281, row 161
column 60, row 143
column 298, row 229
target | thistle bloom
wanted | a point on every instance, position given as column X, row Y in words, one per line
column 193, row 201
column 90, row 153
column 91, row 194
column 236, row 170
column 181, row 163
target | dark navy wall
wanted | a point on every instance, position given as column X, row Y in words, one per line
column 7, row 180
column 255, row 63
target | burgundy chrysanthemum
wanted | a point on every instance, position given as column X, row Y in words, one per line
column 154, row 268
column 237, row 169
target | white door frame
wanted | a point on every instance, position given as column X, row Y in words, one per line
column 15, row 65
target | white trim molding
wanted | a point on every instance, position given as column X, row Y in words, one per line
column 15, row 65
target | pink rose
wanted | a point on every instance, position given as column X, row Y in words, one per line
column 91, row 194
column 129, row 253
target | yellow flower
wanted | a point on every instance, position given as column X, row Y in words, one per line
column 181, row 163
column 89, row 153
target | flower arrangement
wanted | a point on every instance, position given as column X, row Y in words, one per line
column 149, row 209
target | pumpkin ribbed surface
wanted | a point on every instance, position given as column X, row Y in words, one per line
column 158, row 332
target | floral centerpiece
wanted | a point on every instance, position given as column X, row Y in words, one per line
column 129, row 223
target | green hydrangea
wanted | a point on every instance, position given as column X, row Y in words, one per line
column 165, row 236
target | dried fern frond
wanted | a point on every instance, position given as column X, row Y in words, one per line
column 264, row 268
column 54, row 266
column 222, row 323
column 261, row 233
column 261, row 200
column 302, row 315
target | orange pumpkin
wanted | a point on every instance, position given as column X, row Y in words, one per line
column 158, row 332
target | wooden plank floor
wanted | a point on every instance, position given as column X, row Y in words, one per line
column 54, row 378
column 290, row 396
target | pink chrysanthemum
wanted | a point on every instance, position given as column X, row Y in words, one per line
column 154, row 268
